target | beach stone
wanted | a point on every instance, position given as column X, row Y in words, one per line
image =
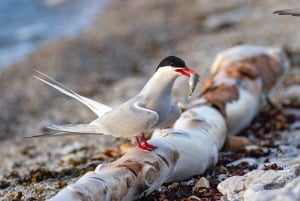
column 201, row 183
column 261, row 185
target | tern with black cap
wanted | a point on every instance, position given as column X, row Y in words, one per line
column 151, row 108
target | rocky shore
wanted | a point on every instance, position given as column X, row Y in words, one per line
column 110, row 62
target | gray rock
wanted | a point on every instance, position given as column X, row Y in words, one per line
column 265, row 185
column 261, row 185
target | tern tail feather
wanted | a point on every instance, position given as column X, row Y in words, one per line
column 98, row 108
column 59, row 134
column 78, row 128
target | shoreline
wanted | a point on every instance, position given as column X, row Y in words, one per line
column 58, row 20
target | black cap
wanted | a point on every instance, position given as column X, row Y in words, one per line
column 172, row 61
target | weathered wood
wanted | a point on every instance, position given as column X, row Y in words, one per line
column 231, row 97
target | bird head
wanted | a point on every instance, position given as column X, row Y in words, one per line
column 177, row 65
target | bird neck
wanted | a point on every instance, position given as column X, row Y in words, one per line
column 160, row 84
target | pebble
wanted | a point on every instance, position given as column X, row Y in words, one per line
column 201, row 183
column 292, row 93
column 222, row 177
column 235, row 143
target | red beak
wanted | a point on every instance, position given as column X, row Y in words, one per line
column 186, row 71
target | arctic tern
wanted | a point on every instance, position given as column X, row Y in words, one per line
column 151, row 108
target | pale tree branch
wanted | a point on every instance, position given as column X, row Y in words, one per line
column 241, row 78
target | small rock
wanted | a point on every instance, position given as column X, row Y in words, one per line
column 222, row 177
column 296, row 125
column 249, row 161
column 201, row 183
column 173, row 186
column 253, row 185
column 292, row 93
column 163, row 189
column 193, row 197
column 72, row 148
column 189, row 182
column 4, row 184
column 235, row 143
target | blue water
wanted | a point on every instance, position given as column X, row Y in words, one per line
column 26, row 24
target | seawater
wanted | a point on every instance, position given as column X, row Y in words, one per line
column 26, row 24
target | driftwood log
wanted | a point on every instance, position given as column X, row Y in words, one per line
column 241, row 79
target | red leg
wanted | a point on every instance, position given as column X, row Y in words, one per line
column 146, row 144
column 140, row 145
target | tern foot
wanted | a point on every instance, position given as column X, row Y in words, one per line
column 145, row 145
